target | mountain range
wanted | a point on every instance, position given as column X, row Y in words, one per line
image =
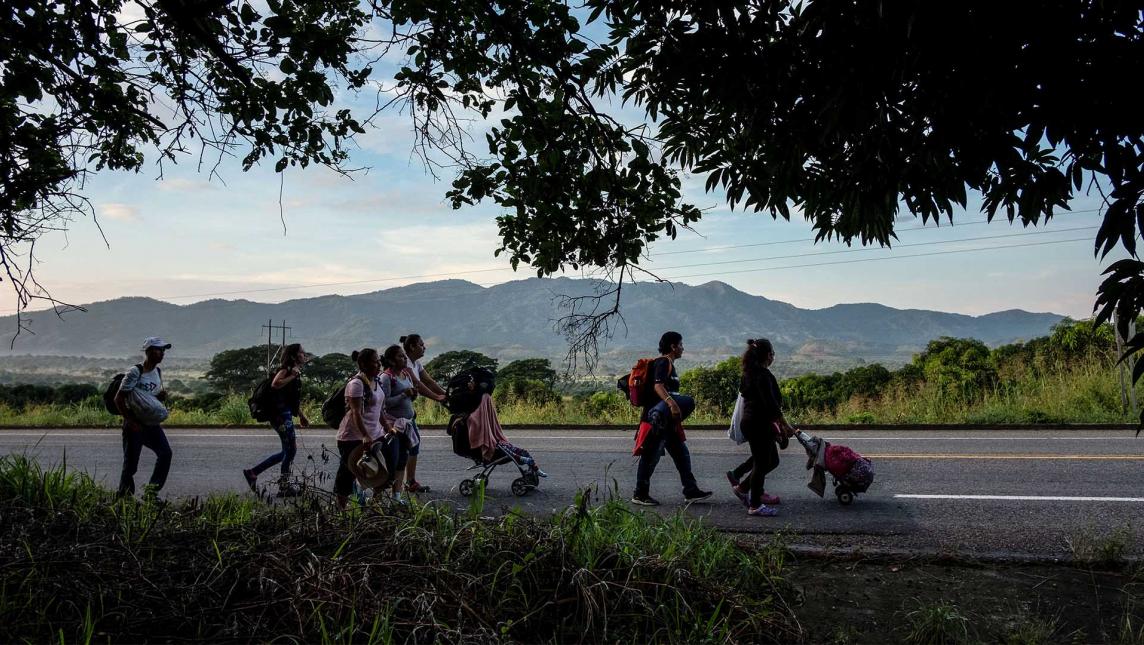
column 517, row 319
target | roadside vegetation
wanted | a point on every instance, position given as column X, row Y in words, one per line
column 1069, row 376
column 81, row 566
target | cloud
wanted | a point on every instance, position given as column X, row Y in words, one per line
column 182, row 184
column 118, row 211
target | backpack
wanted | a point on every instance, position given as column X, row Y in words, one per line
column 637, row 384
column 259, row 400
column 113, row 389
column 334, row 409
column 460, row 398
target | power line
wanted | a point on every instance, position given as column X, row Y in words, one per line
column 878, row 248
column 796, row 241
column 893, row 257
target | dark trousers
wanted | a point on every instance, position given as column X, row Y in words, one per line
column 344, row 480
column 764, row 456
column 390, row 451
column 653, row 447
column 286, row 435
column 743, row 468
column 153, row 438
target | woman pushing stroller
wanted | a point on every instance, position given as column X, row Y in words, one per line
column 763, row 426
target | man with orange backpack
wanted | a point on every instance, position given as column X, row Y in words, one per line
column 664, row 410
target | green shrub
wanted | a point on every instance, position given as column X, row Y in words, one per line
column 425, row 573
column 714, row 388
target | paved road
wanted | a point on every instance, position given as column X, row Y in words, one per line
column 1027, row 492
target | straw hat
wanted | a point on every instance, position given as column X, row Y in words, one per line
column 368, row 467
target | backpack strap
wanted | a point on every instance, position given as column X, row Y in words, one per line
column 367, row 387
column 367, row 393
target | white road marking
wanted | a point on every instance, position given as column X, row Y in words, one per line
column 1026, row 498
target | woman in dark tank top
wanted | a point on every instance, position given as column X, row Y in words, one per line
column 286, row 390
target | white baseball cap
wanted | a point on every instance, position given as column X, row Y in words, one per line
column 155, row 341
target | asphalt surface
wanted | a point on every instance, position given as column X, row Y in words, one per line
column 1035, row 493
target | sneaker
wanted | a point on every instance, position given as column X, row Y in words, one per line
column 644, row 500
column 697, row 495
column 763, row 511
column 414, row 486
column 731, row 478
column 771, row 500
column 251, row 480
column 540, row 473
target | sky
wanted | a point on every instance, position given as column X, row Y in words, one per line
column 192, row 237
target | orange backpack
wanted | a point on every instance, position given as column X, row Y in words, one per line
column 636, row 384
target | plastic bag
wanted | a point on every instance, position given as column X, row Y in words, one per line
column 146, row 408
column 735, row 432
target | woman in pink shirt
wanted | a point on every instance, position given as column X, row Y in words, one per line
column 363, row 422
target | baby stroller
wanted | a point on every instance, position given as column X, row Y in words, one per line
column 467, row 394
column 521, row 486
column 850, row 472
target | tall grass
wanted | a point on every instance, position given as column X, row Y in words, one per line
column 78, row 563
column 1085, row 393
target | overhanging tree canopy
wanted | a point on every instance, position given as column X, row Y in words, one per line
column 842, row 112
column 90, row 85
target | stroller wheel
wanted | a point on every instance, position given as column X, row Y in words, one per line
column 467, row 487
column 845, row 496
column 520, row 487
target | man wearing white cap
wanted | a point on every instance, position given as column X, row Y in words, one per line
column 140, row 401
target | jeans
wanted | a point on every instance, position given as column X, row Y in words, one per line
column 664, row 437
column 415, row 450
column 133, row 441
column 285, row 430
column 660, row 413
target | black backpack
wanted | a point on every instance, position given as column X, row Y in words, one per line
column 463, row 399
column 334, row 409
column 113, row 389
column 259, row 401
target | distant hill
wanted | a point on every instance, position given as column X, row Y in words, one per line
column 516, row 319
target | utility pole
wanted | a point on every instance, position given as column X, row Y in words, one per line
column 1131, row 367
column 1127, row 387
column 271, row 352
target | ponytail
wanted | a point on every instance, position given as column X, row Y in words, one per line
column 364, row 358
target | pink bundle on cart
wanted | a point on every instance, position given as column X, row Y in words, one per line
column 852, row 473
